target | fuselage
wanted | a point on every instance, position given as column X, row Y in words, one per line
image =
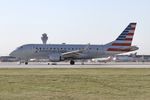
column 42, row 51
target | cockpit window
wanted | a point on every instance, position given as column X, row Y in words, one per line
column 20, row 47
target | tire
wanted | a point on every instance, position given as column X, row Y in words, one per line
column 26, row 63
column 72, row 62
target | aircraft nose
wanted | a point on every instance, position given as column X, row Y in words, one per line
column 12, row 54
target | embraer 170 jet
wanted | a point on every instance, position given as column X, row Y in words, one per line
column 72, row 52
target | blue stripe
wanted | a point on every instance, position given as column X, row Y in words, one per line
column 122, row 36
column 123, row 33
column 128, row 28
column 126, row 31
column 120, row 39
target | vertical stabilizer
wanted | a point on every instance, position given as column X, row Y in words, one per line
column 124, row 40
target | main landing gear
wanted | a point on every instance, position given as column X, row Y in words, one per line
column 26, row 63
column 72, row 62
column 23, row 62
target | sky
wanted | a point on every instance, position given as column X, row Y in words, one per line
column 72, row 22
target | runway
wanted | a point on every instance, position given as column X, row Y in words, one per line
column 78, row 65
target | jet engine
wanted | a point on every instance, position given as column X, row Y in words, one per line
column 55, row 57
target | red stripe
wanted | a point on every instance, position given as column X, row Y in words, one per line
column 129, row 39
column 133, row 28
column 121, row 44
column 130, row 34
column 117, row 49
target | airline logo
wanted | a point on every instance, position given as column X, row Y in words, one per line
column 124, row 40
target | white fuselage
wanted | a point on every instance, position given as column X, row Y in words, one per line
column 42, row 51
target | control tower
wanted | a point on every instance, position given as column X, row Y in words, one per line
column 44, row 38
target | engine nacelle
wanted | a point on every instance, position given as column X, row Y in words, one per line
column 55, row 57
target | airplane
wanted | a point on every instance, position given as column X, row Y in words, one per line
column 72, row 52
column 105, row 59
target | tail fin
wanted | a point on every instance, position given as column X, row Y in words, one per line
column 126, row 37
column 124, row 40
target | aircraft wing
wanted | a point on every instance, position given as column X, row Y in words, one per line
column 75, row 53
column 72, row 54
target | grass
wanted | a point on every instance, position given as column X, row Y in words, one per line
column 74, row 84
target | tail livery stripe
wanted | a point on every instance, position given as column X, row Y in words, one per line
column 121, row 44
column 124, row 40
column 127, row 34
column 117, row 49
column 128, row 39
column 130, row 34
column 120, row 41
column 129, row 30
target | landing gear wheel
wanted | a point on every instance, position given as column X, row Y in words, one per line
column 26, row 63
column 72, row 62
